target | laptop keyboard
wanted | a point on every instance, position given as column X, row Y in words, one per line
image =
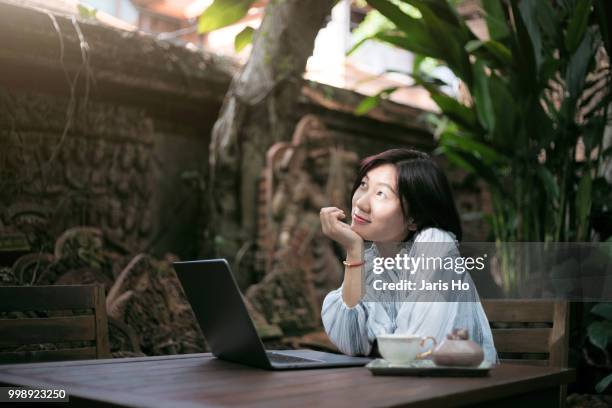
column 282, row 358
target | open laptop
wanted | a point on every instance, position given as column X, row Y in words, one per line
column 229, row 331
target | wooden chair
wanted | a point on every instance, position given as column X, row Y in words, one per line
column 91, row 328
column 549, row 340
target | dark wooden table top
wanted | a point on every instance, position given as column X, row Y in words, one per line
column 202, row 380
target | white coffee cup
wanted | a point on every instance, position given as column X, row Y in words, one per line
column 403, row 348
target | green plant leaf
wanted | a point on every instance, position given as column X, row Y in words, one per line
column 86, row 11
column 550, row 185
column 578, row 66
column 453, row 47
column 430, row 82
column 592, row 134
column 505, row 110
column 482, row 97
column 547, row 19
column 370, row 102
column 417, row 63
column 413, row 42
column 244, row 38
column 539, row 123
column 603, row 9
column 603, row 310
column 583, row 204
column 422, row 35
column 367, row 104
column 600, row 334
column 528, row 12
column 477, row 166
column 455, row 159
column 358, row 44
column 496, row 19
column 411, row 33
column 222, row 13
column 603, row 383
column 374, row 22
column 459, row 113
column 493, row 50
column 485, row 153
column 577, row 25
column 440, row 9
column 398, row 17
column 549, row 67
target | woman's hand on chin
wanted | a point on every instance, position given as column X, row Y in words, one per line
column 339, row 231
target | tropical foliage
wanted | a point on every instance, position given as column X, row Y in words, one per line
column 599, row 333
column 222, row 13
column 532, row 119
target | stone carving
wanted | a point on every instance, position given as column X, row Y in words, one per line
column 100, row 173
column 147, row 310
column 297, row 264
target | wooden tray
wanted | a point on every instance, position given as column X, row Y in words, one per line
column 426, row 368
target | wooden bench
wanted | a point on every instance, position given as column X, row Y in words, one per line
column 55, row 328
column 550, row 338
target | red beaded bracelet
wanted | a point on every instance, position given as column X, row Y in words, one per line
column 351, row 265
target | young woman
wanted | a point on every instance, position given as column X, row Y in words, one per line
column 401, row 201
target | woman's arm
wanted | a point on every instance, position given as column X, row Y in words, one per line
column 352, row 285
column 344, row 315
column 346, row 326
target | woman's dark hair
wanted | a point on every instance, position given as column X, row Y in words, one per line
column 423, row 188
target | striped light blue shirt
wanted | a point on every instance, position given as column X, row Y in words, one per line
column 354, row 329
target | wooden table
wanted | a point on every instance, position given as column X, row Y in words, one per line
column 202, row 380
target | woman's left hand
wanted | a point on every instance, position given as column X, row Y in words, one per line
column 339, row 231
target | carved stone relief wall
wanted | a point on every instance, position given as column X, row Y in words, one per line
column 99, row 171
column 81, row 202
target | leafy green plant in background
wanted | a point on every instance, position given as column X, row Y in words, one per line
column 537, row 93
column 222, row 13
column 86, row 11
column 599, row 334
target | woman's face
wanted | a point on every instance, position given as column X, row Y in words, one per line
column 376, row 207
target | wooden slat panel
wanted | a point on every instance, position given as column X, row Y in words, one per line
column 81, row 353
column 102, row 344
column 533, row 311
column 521, row 340
column 525, row 361
column 559, row 338
column 22, row 298
column 47, row 330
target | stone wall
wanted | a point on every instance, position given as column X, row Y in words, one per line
column 103, row 127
